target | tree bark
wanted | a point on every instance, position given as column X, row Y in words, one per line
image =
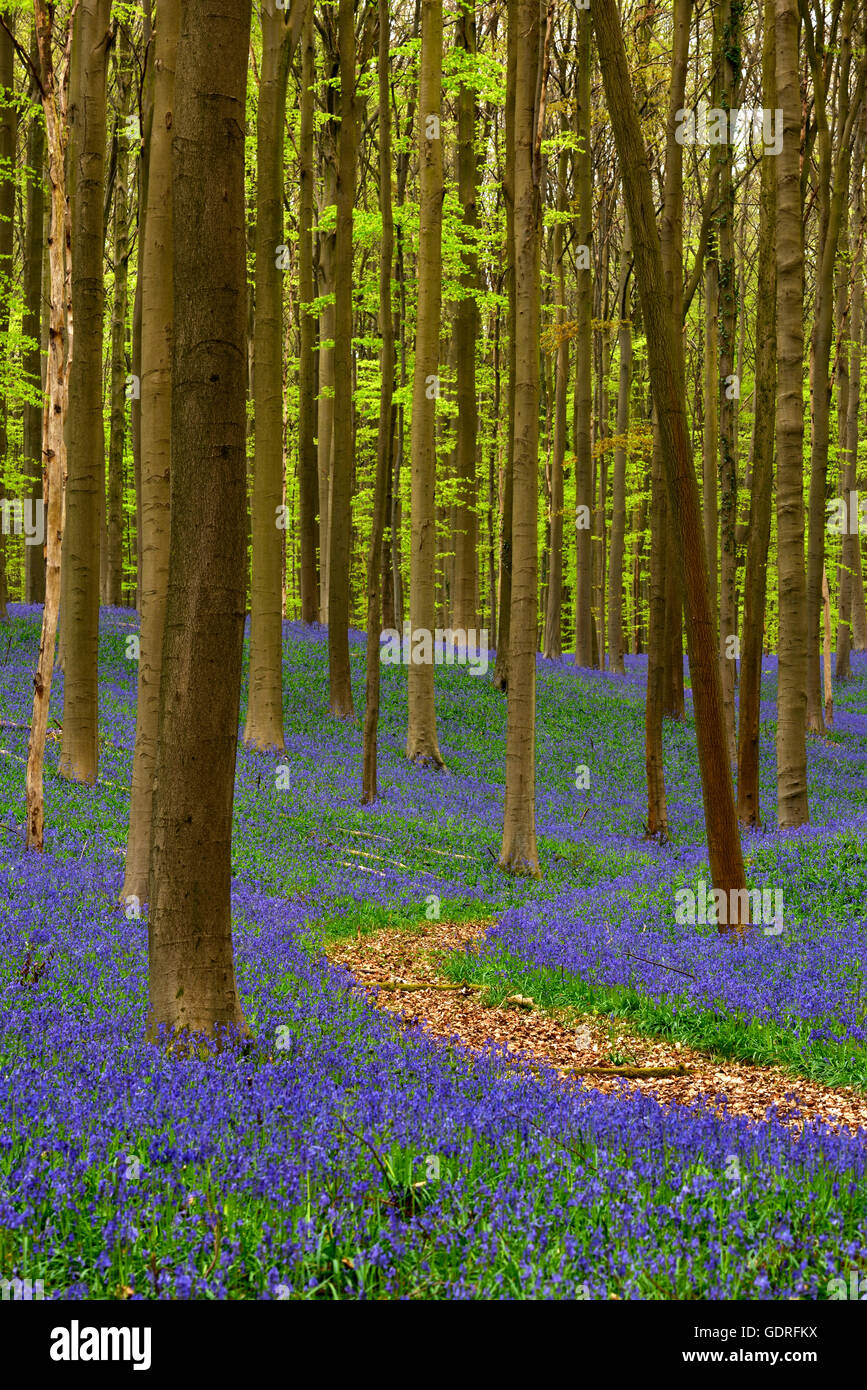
column 192, row 975
column 31, row 327
column 583, row 363
column 81, row 549
column 466, row 330
column 308, row 484
column 519, row 854
column 113, row 593
column 264, row 725
column 157, row 337
column 340, row 686
column 792, row 808
column 384, row 440
column 60, row 340
column 759, row 530
column 724, row 851
column 421, row 742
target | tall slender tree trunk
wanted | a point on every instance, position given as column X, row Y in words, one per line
column 618, row 491
column 724, row 851
column 792, row 807
column 730, row 17
column 384, row 441
column 53, row 415
column 113, row 593
column 553, row 648
column 326, row 269
column 8, row 142
column 192, row 976
column 850, row 567
column 264, row 726
column 583, row 364
column 157, row 337
column 466, row 331
column 519, row 854
column 833, row 189
column 657, row 809
column 308, row 484
column 81, row 549
column 501, row 666
column 759, row 530
column 421, row 742
column 31, row 327
column 340, row 687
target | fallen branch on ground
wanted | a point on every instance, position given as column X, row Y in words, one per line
column 631, row 1071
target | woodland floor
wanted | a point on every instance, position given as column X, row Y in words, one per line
column 437, row 1143
column 567, row 1039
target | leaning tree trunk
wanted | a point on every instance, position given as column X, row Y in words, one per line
column 792, row 807
column 53, row 415
column 724, row 850
column 384, row 441
column 192, row 974
column 759, row 531
column 157, row 334
column 519, row 854
column 421, row 740
column 339, row 565
column 81, row 548
column 264, row 726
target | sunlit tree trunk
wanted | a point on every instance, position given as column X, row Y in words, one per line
column 114, row 532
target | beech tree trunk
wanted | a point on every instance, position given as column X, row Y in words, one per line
column 583, row 363
column 264, row 726
column 466, row 330
column 53, row 416
column 157, row 337
column 519, row 854
column 759, row 530
column 339, row 681
column 192, row 976
column 421, row 742
column 724, row 851
column 114, row 502
column 85, row 488
column 792, row 809
column 31, row 327
column 308, row 483
column 384, row 441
